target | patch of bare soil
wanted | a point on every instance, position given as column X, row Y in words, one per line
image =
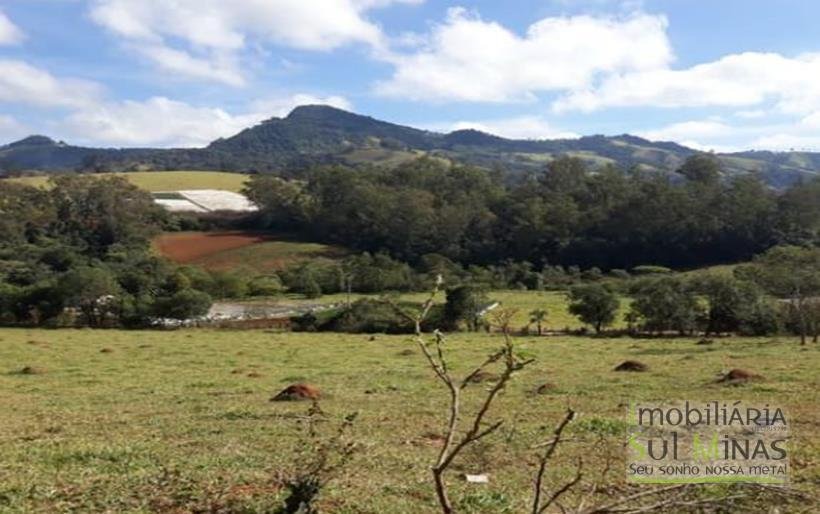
column 186, row 247
column 297, row 392
column 545, row 388
column 484, row 376
column 31, row 370
column 630, row 365
column 739, row 376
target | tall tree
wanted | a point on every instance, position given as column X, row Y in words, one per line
column 594, row 304
column 790, row 273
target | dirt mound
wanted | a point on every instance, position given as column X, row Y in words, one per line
column 738, row 376
column 546, row 388
column 31, row 370
column 34, row 342
column 407, row 352
column 297, row 392
column 433, row 439
column 631, row 366
column 484, row 376
column 253, row 374
column 106, row 350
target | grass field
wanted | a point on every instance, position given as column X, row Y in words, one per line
column 168, row 180
column 180, row 421
column 230, row 250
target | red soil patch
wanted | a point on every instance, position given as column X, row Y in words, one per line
column 297, row 392
column 546, row 388
column 187, row 247
column 432, row 439
column 736, row 376
column 631, row 366
column 484, row 376
column 31, row 370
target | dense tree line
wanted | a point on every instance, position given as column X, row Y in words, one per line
column 78, row 253
column 565, row 214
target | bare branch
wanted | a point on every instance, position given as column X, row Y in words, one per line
column 544, row 459
column 436, row 358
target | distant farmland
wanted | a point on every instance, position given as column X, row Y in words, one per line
column 154, row 181
column 233, row 249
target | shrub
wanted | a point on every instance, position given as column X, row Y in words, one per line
column 228, row 284
column 592, row 274
column 619, row 274
column 311, row 288
column 464, row 304
column 377, row 273
column 594, row 304
column 369, row 316
column 303, row 277
column 650, row 270
column 92, row 291
column 762, row 319
column 185, row 304
column 666, row 304
column 265, row 286
column 9, row 297
column 199, row 279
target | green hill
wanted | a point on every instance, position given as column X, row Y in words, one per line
column 317, row 134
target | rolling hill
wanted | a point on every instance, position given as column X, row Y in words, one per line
column 316, row 134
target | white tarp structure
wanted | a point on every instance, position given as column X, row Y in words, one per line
column 175, row 205
column 206, row 200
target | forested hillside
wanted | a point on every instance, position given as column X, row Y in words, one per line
column 313, row 135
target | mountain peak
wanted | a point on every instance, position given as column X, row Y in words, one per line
column 471, row 137
column 313, row 111
column 35, row 140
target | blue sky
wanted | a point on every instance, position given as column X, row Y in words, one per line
column 723, row 75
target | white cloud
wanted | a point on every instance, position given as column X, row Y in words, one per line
column 751, row 114
column 160, row 121
column 520, row 127
column 217, row 68
column 21, row 82
column 94, row 119
column 469, row 59
column 762, row 134
column 10, row 34
column 737, row 80
column 11, row 129
column 706, row 135
column 688, row 130
column 156, row 121
column 786, row 141
column 202, row 39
